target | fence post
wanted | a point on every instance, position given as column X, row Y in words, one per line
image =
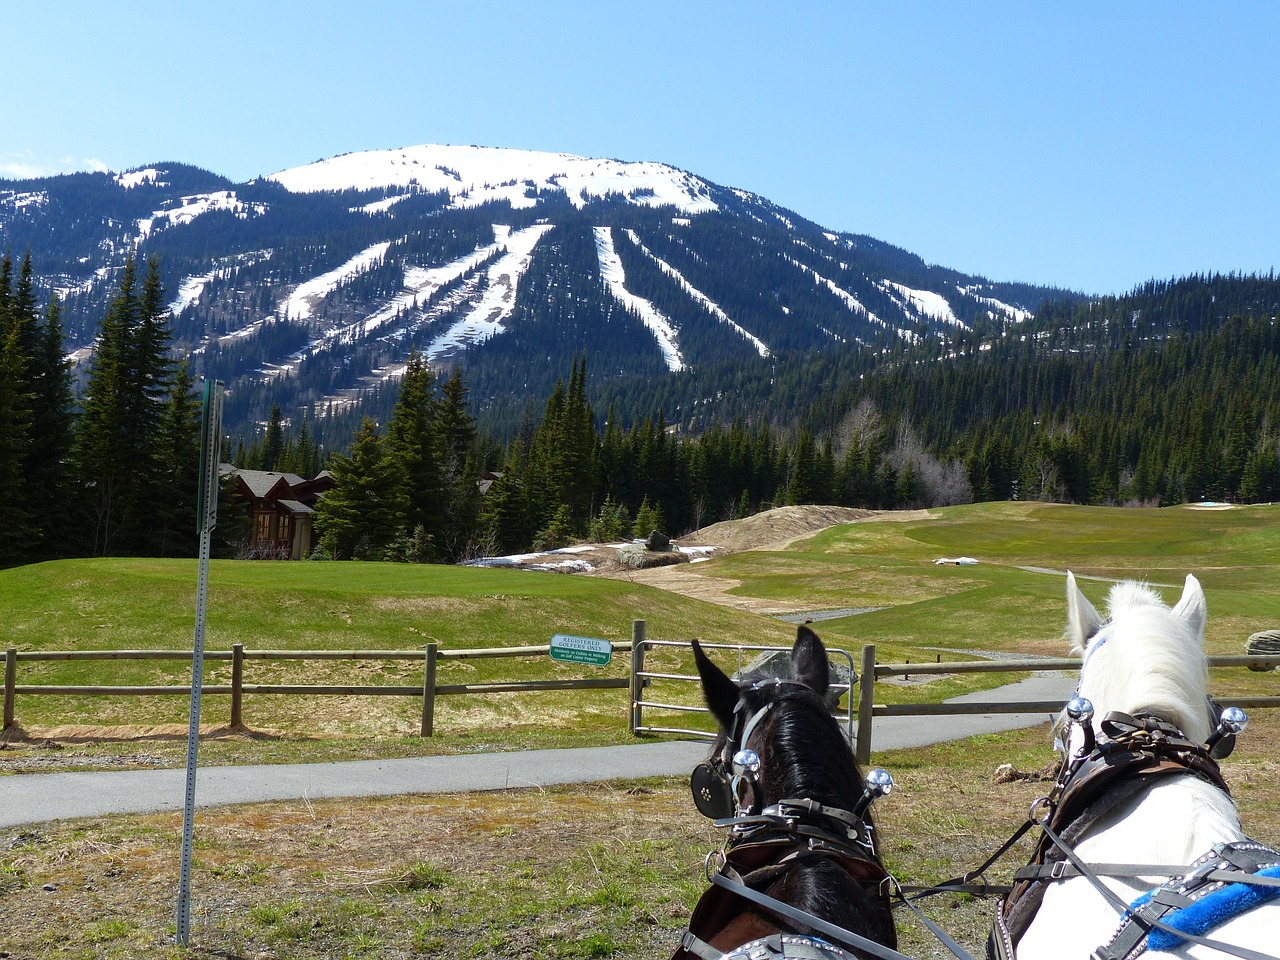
column 429, row 692
column 10, row 681
column 637, row 668
column 237, row 685
column 866, row 700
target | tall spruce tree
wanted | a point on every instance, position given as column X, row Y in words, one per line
column 459, row 470
column 49, row 463
column 118, row 439
column 414, row 442
column 273, row 442
column 35, row 412
column 361, row 517
column 19, row 531
column 178, row 467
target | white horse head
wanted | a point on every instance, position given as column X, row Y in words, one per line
column 1144, row 657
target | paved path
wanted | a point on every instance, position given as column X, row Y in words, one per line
column 39, row 797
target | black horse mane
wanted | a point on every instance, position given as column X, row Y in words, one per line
column 804, row 755
column 808, row 756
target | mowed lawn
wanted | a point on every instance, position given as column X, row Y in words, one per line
column 1012, row 600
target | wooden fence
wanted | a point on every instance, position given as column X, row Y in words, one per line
column 430, row 657
column 860, row 733
column 868, row 709
column 861, row 708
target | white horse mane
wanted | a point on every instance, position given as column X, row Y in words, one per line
column 1145, row 657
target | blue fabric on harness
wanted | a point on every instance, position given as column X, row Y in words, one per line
column 1209, row 911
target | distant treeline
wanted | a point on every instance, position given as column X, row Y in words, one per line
column 1166, row 395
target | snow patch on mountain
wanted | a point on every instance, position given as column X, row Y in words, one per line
column 21, row 201
column 1014, row 313
column 307, row 296
column 190, row 289
column 615, row 278
column 476, row 175
column 926, row 303
column 486, row 318
column 420, row 285
column 189, row 208
column 852, row 302
column 136, row 178
column 698, row 296
column 381, row 206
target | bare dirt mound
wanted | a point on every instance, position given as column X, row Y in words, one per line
column 771, row 530
column 782, row 525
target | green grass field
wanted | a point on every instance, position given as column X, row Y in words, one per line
column 1012, row 600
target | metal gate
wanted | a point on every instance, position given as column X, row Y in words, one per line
column 643, row 680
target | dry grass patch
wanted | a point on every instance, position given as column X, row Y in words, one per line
column 592, row 870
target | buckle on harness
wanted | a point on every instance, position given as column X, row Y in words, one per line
column 1059, row 870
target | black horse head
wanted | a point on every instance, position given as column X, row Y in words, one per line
column 803, row 755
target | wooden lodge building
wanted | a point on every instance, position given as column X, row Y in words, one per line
column 281, row 508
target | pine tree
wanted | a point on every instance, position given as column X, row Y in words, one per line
column 19, row 531
column 273, row 442
column 117, row 442
column 48, row 465
column 174, row 520
column 414, row 442
column 366, row 512
column 459, row 469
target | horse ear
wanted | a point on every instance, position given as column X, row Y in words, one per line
column 720, row 692
column 1083, row 621
column 1192, row 607
column 809, row 661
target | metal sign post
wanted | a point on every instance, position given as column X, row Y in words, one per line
column 206, row 520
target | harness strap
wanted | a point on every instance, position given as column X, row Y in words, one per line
column 788, row 912
column 694, row 944
column 1062, row 870
column 1114, row 899
column 775, row 945
column 936, row 930
column 964, row 882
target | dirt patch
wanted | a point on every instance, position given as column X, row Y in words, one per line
column 780, row 527
column 773, row 529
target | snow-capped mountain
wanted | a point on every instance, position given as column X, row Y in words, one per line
column 311, row 285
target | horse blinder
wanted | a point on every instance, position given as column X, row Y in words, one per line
column 712, row 793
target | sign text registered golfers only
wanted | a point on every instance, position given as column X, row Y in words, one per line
column 581, row 650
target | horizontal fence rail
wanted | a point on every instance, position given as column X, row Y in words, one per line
column 430, row 656
column 858, row 719
column 868, row 709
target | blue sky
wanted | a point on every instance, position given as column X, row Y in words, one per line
column 1088, row 145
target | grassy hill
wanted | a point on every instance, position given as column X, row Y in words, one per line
column 1011, row 600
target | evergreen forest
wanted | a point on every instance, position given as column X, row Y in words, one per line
column 1166, row 395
